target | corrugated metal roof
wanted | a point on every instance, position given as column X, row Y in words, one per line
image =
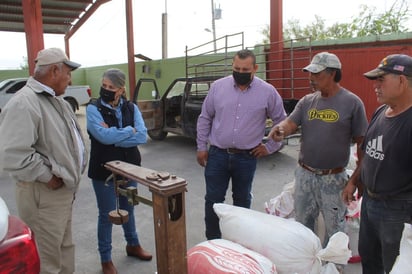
column 59, row 16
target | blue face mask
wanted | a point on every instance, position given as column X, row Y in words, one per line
column 242, row 78
column 107, row 95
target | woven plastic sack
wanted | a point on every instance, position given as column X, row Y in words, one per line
column 283, row 204
column 329, row 268
column 4, row 219
column 222, row 257
column 291, row 246
column 352, row 226
column 403, row 264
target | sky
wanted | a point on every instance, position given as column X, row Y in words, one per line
column 102, row 39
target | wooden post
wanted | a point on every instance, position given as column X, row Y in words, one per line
column 168, row 197
column 276, row 45
column 130, row 48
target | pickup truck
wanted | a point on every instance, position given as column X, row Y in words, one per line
column 178, row 108
column 75, row 95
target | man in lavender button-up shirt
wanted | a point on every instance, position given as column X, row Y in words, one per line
column 232, row 122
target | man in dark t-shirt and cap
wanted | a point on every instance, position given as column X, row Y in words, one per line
column 385, row 172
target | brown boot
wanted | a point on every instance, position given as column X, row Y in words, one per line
column 108, row 268
column 138, row 252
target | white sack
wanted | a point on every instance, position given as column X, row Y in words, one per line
column 352, row 226
column 403, row 264
column 291, row 246
column 337, row 249
column 4, row 219
column 283, row 204
column 329, row 268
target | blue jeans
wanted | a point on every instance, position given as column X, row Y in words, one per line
column 381, row 227
column 220, row 168
column 106, row 202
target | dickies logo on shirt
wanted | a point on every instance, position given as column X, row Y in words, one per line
column 326, row 115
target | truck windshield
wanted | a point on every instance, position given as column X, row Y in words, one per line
column 177, row 89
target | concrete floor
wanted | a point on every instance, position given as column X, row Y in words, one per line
column 176, row 155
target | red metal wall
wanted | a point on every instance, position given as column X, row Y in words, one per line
column 356, row 59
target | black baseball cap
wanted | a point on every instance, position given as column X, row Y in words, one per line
column 395, row 63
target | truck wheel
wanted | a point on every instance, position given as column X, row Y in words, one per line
column 157, row 134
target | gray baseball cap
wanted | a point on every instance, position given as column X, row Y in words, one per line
column 321, row 61
column 54, row 56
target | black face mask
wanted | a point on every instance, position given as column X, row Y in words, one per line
column 242, row 78
column 107, row 95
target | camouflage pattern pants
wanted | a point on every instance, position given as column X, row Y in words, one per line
column 316, row 194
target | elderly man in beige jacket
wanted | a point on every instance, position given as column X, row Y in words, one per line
column 44, row 151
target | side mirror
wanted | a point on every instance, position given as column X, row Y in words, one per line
column 154, row 93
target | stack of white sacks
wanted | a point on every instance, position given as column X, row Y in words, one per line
column 255, row 242
column 259, row 243
column 282, row 206
column 266, row 244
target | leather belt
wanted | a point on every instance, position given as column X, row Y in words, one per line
column 232, row 150
column 322, row 171
column 404, row 196
column 376, row 195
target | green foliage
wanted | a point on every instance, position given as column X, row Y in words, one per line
column 25, row 65
column 366, row 23
column 266, row 34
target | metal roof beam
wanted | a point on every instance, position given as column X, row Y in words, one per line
column 84, row 18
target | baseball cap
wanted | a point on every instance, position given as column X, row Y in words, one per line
column 54, row 56
column 322, row 61
column 394, row 63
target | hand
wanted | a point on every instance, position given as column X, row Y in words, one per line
column 277, row 133
column 202, row 158
column 55, row 183
column 348, row 192
column 103, row 124
column 259, row 151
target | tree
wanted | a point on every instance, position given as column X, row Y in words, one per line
column 25, row 64
column 366, row 23
column 388, row 22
